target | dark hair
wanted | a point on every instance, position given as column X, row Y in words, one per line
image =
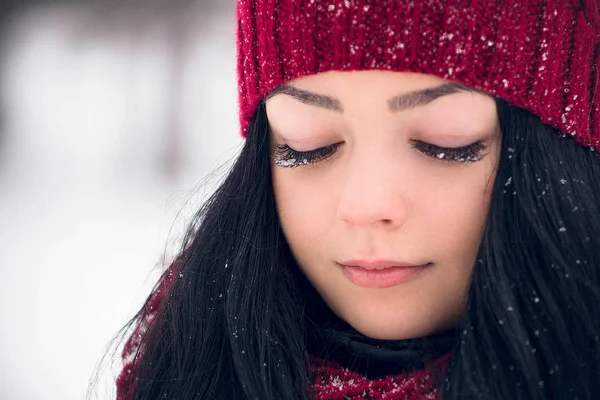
column 232, row 323
column 532, row 324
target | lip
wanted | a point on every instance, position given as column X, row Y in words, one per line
column 379, row 264
column 380, row 273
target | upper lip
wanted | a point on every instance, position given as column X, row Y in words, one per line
column 379, row 264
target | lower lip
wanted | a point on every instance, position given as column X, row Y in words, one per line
column 381, row 278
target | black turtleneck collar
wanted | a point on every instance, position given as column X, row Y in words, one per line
column 333, row 339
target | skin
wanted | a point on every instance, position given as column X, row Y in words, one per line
column 378, row 197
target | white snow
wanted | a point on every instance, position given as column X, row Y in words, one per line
column 95, row 172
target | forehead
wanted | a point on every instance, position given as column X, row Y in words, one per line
column 371, row 79
column 358, row 91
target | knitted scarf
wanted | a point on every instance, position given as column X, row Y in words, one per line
column 332, row 382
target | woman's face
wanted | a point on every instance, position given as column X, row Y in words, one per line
column 374, row 172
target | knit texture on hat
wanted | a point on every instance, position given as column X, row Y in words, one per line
column 540, row 55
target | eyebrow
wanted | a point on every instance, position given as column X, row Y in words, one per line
column 423, row 97
column 404, row 101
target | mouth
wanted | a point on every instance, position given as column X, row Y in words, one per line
column 382, row 273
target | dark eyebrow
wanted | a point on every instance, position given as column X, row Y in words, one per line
column 310, row 98
column 401, row 102
column 423, row 97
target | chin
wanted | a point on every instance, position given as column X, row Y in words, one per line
column 378, row 319
column 384, row 330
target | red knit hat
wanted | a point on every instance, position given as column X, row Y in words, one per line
column 541, row 55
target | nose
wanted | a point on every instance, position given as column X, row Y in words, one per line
column 373, row 192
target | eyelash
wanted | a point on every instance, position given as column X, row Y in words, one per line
column 287, row 157
column 467, row 154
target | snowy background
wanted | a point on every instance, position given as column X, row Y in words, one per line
column 112, row 115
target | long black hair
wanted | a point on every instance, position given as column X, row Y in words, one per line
column 231, row 323
column 532, row 324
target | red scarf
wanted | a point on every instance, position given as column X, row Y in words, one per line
column 333, row 382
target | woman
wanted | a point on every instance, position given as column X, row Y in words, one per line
column 414, row 213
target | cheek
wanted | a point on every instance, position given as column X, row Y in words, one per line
column 456, row 211
column 306, row 209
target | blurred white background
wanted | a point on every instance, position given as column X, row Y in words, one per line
column 111, row 115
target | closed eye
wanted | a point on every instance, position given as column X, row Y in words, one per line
column 466, row 154
column 285, row 156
